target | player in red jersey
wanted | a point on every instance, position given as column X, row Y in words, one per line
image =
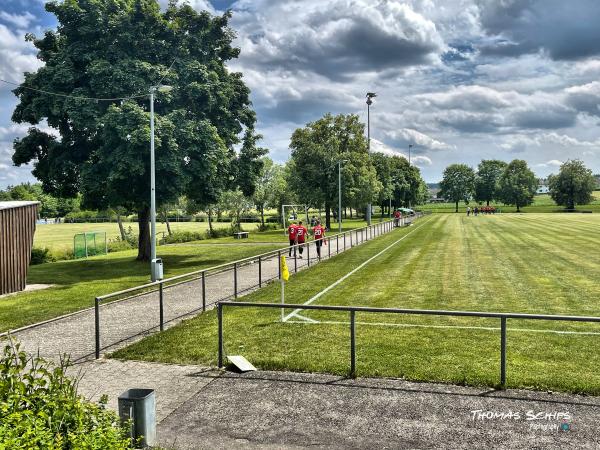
column 301, row 233
column 319, row 234
column 292, row 232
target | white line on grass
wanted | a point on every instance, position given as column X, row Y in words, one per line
column 462, row 327
column 331, row 286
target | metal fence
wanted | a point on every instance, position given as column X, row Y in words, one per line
column 353, row 310
column 122, row 316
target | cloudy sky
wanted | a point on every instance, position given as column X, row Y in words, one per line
column 461, row 80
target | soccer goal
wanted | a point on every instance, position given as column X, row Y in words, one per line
column 292, row 212
column 90, row 243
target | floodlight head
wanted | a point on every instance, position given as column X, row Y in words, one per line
column 161, row 88
column 371, row 94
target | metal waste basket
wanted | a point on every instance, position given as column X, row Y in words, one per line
column 139, row 406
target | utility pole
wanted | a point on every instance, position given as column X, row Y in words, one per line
column 370, row 96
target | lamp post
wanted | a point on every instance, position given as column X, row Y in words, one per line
column 153, row 274
column 370, row 97
column 340, row 193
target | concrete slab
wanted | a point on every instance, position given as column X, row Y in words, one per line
column 290, row 410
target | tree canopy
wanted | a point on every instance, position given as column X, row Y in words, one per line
column 517, row 184
column 486, row 183
column 573, row 185
column 121, row 48
column 316, row 151
column 458, row 183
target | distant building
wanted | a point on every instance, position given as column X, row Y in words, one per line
column 543, row 187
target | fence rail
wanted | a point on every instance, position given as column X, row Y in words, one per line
column 207, row 287
column 353, row 310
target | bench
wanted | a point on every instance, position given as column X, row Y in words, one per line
column 241, row 235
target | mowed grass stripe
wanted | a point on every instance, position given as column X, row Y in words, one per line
column 450, row 262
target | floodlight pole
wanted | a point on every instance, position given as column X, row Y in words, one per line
column 340, row 195
column 152, row 186
column 370, row 96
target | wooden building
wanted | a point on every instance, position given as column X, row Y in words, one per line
column 17, row 225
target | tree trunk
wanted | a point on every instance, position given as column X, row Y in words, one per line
column 121, row 229
column 328, row 217
column 351, row 213
column 262, row 215
column 167, row 223
column 456, row 210
column 210, row 227
column 488, row 203
column 144, row 250
column 518, row 208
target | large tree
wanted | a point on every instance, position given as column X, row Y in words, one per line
column 573, row 185
column 458, row 183
column 486, row 182
column 316, row 151
column 271, row 186
column 517, row 184
column 121, row 48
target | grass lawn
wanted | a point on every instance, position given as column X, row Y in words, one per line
column 77, row 282
column 541, row 204
column 60, row 236
column 534, row 263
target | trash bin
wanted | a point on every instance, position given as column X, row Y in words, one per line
column 157, row 269
column 139, row 406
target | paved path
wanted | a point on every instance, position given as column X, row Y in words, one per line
column 129, row 320
column 200, row 408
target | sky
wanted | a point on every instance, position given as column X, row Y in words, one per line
column 460, row 80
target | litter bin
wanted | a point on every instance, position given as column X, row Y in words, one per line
column 139, row 406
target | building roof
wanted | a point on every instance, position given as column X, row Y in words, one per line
column 17, row 204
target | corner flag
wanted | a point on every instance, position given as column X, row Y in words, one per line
column 285, row 273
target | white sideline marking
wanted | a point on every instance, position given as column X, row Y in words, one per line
column 331, row 286
column 463, row 327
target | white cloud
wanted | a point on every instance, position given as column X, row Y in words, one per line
column 418, row 139
column 551, row 163
column 19, row 20
column 418, row 160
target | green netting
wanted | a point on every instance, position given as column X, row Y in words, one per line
column 89, row 244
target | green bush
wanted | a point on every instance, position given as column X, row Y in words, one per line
column 117, row 245
column 267, row 227
column 218, row 233
column 183, row 236
column 40, row 408
column 41, row 256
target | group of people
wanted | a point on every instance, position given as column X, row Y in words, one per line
column 481, row 210
column 298, row 234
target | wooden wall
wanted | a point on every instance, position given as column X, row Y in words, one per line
column 17, row 225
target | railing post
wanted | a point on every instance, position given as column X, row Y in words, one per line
column 295, row 258
column 337, row 244
column 344, row 241
column 220, row 332
column 203, row 291
column 308, row 252
column 161, row 311
column 328, row 247
column 352, row 343
column 350, row 239
column 279, row 262
column 259, row 271
column 235, row 281
column 503, row 352
column 97, row 326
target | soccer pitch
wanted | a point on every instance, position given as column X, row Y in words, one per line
column 534, row 263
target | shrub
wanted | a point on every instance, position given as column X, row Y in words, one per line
column 117, row 245
column 40, row 408
column 267, row 227
column 183, row 236
column 41, row 256
column 218, row 233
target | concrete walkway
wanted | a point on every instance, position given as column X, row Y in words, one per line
column 201, row 408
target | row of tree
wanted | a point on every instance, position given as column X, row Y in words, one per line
column 50, row 206
column 515, row 184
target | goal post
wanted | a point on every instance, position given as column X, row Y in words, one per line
column 90, row 243
column 294, row 209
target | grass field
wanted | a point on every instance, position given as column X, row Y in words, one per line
column 60, row 236
column 77, row 282
column 535, row 263
column 541, row 204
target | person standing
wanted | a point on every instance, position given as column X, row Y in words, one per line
column 292, row 234
column 301, row 233
column 319, row 234
column 397, row 217
column 468, row 211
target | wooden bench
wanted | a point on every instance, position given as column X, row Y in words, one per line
column 241, row 235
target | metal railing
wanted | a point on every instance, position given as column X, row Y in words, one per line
column 228, row 284
column 353, row 310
